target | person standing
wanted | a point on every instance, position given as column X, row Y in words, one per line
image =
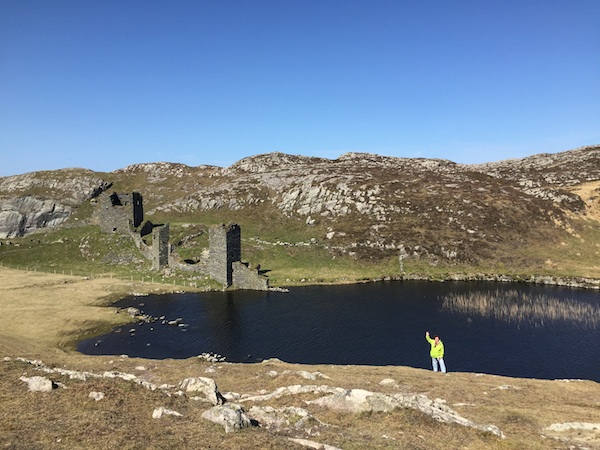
column 436, row 353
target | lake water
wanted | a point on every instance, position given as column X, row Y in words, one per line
column 371, row 324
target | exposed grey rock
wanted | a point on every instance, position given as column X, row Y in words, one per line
column 96, row 395
column 506, row 387
column 359, row 400
column 123, row 376
column 37, row 200
column 39, row 384
column 568, row 426
column 311, row 375
column 313, row 444
column 292, row 390
column 162, row 411
column 283, row 418
column 230, row 416
column 83, row 376
column 205, row 386
column 21, row 215
column 548, row 169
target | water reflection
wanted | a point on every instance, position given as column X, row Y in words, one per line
column 520, row 307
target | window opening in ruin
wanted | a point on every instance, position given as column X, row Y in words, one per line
column 115, row 200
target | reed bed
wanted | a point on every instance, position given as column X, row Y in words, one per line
column 514, row 306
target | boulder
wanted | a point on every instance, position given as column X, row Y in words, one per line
column 231, row 416
column 205, row 386
column 161, row 411
column 39, row 384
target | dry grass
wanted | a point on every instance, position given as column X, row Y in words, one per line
column 43, row 313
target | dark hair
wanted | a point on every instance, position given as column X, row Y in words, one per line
column 436, row 336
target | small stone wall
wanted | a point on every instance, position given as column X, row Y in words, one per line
column 246, row 278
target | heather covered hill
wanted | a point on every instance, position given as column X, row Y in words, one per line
column 537, row 214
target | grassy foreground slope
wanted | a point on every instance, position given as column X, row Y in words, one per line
column 43, row 314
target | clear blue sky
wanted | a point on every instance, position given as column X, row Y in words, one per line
column 104, row 84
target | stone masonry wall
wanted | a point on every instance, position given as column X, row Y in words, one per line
column 160, row 247
column 119, row 212
column 224, row 262
column 225, row 246
column 246, row 278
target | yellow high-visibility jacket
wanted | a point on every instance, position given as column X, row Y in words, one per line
column 437, row 351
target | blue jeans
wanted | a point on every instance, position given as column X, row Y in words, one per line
column 440, row 361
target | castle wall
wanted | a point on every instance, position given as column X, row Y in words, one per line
column 247, row 278
column 160, row 247
column 224, row 261
column 119, row 212
column 225, row 244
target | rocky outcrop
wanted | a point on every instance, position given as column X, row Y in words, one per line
column 162, row 411
column 549, row 176
column 22, row 215
column 360, row 400
column 71, row 186
column 44, row 200
column 562, row 169
column 234, row 417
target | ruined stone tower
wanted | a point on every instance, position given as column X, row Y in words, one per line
column 225, row 243
column 160, row 247
column 225, row 260
column 119, row 212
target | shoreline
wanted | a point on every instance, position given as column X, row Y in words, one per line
column 572, row 282
column 87, row 310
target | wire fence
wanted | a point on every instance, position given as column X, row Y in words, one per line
column 172, row 280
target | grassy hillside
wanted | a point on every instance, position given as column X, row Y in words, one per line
column 312, row 220
column 291, row 254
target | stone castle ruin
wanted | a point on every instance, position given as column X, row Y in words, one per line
column 120, row 212
column 124, row 213
column 225, row 260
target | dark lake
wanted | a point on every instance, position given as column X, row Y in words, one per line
column 371, row 324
